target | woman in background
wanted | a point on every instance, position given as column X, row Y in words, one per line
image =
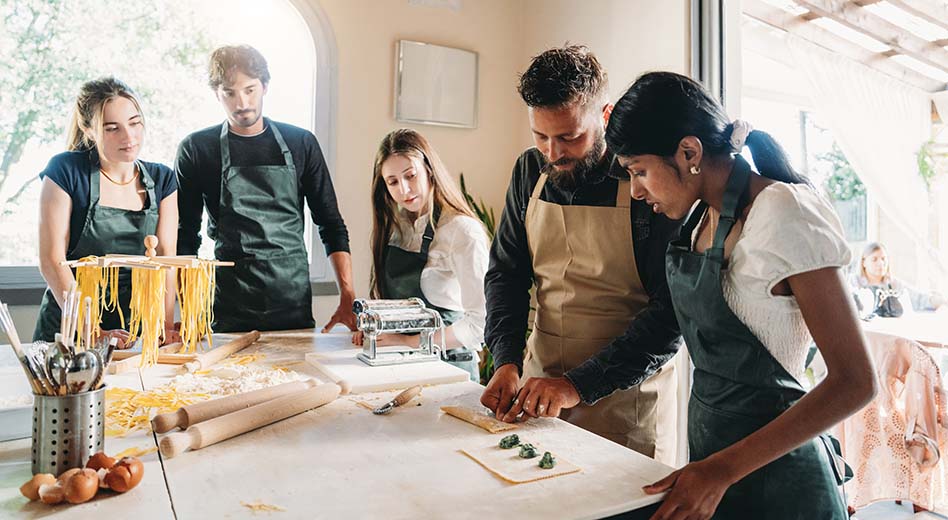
column 99, row 198
column 428, row 243
column 874, row 283
column 756, row 272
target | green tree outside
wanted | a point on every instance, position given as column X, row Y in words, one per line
column 48, row 48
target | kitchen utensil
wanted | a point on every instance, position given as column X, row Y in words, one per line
column 187, row 416
column 6, row 323
column 209, row 358
column 400, row 399
column 243, row 421
column 67, row 430
column 375, row 317
column 83, row 370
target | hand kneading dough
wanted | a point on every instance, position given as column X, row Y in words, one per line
column 477, row 419
column 508, row 465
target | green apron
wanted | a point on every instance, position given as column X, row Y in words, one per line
column 260, row 229
column 738, row 385
column 106, row 230
column 402, row 279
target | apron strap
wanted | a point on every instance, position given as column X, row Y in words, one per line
column 149, row 183
column 285, row 150
column 94, row 182
column 623, row 195
column 684, row 235
column 428, row 236
column 737, row 184
column 225, row 149
column 538, row 189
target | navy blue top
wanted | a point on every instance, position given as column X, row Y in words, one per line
column 70, row 171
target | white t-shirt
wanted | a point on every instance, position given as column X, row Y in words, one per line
column 790, row 229
column 453, row 277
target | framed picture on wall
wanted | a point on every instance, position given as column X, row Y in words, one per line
column 435, row 85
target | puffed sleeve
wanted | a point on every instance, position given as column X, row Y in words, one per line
column 792, row 229
column 469, row 258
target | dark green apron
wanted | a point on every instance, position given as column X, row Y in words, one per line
column 738, row 385
column 106, row 230
column 402, row 279
column 260, row 229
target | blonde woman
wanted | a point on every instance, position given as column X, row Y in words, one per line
column 875, row 281
column 99, row 198
column 427, row 243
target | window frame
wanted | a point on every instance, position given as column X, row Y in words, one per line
column 25, row 285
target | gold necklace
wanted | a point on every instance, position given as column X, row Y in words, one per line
column 113, row 181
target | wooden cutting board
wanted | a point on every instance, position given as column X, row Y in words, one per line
column 343, row 365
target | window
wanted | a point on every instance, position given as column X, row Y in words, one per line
column 774, row 99
column 160, row 48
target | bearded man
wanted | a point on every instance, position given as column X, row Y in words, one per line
column 604, row 326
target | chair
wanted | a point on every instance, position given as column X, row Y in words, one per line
column 894, row 444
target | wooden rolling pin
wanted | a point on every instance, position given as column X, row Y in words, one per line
column 119, row 355
column 192, row 414
column 123, row 361
column 209, row 358
column 233, row 424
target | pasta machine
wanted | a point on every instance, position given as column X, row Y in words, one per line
column 409, row 316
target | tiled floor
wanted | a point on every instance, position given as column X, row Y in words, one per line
column 893, row 511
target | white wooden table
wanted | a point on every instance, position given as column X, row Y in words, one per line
column 928, row 328
column 340, row 461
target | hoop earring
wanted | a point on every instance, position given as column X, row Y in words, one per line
column 695, row 170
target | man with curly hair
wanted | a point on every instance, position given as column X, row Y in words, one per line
column 604, row 326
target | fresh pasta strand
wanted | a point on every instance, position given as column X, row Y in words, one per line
column 100, row 284
column 196, row 286
column 147, row 320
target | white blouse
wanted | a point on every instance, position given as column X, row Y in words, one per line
column 790, row 229
column 453, row 277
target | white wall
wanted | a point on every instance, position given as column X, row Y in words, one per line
column 366, row 36
column 629, row 37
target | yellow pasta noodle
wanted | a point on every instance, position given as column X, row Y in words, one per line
column 100, row 284
column 196, row 287
column 147, row 320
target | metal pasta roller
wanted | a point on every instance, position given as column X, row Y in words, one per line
column 375, row 317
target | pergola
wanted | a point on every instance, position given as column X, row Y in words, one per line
column 905, row 39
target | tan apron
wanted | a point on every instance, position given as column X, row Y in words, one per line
column 588, row 291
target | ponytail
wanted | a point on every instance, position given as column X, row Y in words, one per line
column 771, row 159
column 661, row 108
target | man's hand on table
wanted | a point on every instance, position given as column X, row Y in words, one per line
column 343, row 313
column 543, row 397
column 501, row 389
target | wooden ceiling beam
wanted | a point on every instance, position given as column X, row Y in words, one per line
column 797, row 25
column 932, row 11
column 864, row 21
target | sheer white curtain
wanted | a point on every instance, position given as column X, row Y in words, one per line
column 880, row 124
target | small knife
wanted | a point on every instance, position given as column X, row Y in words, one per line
column 400, row 399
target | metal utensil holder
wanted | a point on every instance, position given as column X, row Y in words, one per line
column 67, row 430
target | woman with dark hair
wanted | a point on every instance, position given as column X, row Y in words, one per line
column 755, row 273
column 427, row 243
column 99, row 198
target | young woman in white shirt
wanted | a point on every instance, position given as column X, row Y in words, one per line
column 757, row 271
column 428, row 243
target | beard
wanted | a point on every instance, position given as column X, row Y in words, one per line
column 584, row 168
column 240, row 116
